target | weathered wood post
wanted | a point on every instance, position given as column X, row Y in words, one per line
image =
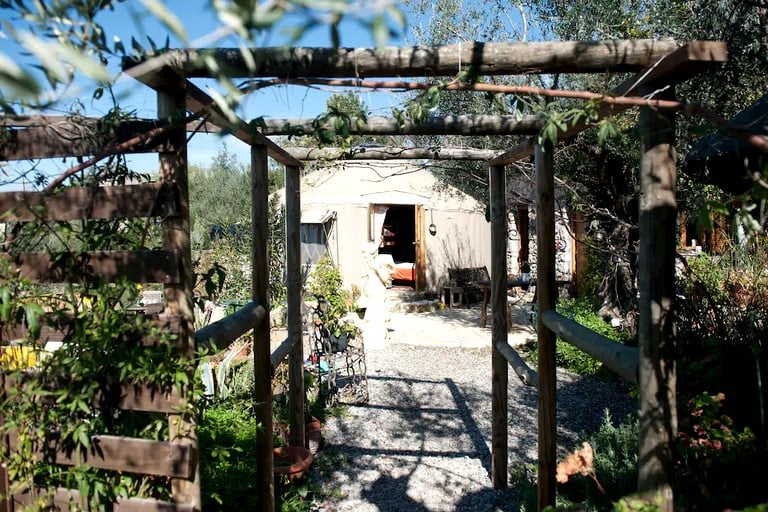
column 656, row 331
column 178, row 297
column 500, row 368
column 547, row 295
column 293, row 269
column 262, row 366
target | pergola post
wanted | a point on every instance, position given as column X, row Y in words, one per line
column 656, row 329
column 262, row 366
column 293, row 270
column 178, row 297
column 499, row 408
column 547, row 294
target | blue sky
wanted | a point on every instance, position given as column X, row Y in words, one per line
column 131, row 20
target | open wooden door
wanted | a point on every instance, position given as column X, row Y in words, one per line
column 421, row 249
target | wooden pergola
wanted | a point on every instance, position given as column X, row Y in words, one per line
column 658, row 65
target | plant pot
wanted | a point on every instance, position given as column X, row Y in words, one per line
column 292, row 461
column 313, row 435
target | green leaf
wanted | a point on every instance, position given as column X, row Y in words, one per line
column 5, row 305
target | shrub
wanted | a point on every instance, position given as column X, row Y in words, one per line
column 615, row 467
column 227, row 436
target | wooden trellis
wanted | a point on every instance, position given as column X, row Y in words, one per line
column 660, row 64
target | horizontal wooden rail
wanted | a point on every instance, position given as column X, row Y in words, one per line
column 127, row 201
column 526, row 373
column 133, row 396
column 137, row 266
column 617, row 357
column 128, row 454
column 162, row 322
column 448, row 125
column 282, row 350
column 483, row 58
column 69, row 137
column 391, row 153
column 63, row 499
column 220, row 334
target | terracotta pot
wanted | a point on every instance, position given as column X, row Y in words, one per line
column 313, row 435
column 292, row 461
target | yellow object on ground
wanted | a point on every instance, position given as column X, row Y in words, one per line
column 17, row 357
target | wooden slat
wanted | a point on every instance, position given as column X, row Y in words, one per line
column 73, row 138
column 678, row 66
column 144, row 200
column 136, row 266
column 484, row 58
column 48, row 333
column 64, row 498
column 131, row 455
column 133, row 397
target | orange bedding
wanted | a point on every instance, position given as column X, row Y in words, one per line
column 404, row 272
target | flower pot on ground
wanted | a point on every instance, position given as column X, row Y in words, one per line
column 313, row 434
column 292, row 461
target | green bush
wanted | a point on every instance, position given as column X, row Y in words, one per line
column 227, row 435
column 615, row 466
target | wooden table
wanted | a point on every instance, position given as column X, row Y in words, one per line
column 486, row 286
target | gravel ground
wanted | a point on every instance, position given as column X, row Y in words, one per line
column 422, row 443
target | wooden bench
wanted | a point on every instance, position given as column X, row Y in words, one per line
column 463, row 281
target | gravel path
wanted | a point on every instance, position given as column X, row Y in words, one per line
column 422, row 443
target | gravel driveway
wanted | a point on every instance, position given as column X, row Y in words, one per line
column 422, row 443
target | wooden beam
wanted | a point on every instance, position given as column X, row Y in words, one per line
column 678, row 66
column 526, row 373
column 262, row 368
column 546, row 290
column 389, row 153
column 117, row 453
column 220, row 334
column 448, row 125
column 615, row 356
column 74, row 138
column 126, row 201
column 480, row 58
column 295, row 327
column 64, row 499
column 281, row 351
column 52, row 333
column 500, row 370
column 656, row 331
column 198, row 101
column 178, row 295
column 136, row 266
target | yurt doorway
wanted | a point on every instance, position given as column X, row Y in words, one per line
column 401, row 239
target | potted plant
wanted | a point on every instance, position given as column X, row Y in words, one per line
column 292, row 461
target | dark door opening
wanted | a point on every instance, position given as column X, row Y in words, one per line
column 398, row 239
